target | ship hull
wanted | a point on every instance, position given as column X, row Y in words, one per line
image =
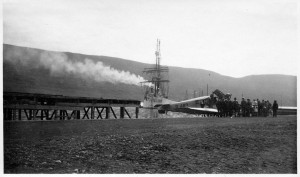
column 154, row 102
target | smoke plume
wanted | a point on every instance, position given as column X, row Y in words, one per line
column 60, row 64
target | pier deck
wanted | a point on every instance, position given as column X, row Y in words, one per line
column 58, row 107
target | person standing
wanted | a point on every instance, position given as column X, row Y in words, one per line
column 243, row 106
column 259, row 105
column 236, row 107
column 248, row 108
column 219, row 104
column 264, row 108
column 230, row 107
column 255, row 108
column 223, row 108
column 226, row 107
column 270, row 108
column 275, row 108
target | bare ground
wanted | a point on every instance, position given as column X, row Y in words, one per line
column 181, row 145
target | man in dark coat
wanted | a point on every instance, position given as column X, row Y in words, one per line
column 275, row 108
column 226, row 108
column 219, row 104
column 243, row 106
column 259, row 106
column 236, row 108
column 248, row 108
column 230, row 107
column 263, row 108
column 223, row 108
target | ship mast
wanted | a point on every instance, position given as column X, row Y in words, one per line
column 157, row 78
column 157, row 66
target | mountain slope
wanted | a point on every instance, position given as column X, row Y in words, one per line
column 25, row 71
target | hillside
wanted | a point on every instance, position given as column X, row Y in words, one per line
column 38, row 71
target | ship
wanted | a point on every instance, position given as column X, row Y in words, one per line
column 157, row 83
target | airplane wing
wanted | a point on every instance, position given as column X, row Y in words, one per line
column 193, row 100
column 191, row 110
column 211, row 110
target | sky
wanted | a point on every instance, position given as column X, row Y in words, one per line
column 231, row 37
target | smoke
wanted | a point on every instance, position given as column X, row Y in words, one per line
column 60, row 64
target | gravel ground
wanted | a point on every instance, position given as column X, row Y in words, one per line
column 179, row 145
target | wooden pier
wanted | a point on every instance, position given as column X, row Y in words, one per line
column 17, row 106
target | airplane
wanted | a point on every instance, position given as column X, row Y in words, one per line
column 199, row 105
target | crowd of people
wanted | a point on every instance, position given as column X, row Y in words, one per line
column 246, row 108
